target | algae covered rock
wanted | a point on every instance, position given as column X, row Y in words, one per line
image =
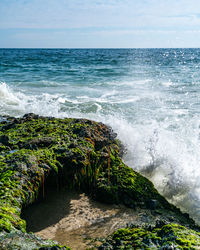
column 161, row 236
column 18, row 240
column 37, row 152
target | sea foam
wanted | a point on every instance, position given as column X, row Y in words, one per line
column 14, row 102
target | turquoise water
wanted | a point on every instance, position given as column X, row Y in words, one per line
column 151, row 98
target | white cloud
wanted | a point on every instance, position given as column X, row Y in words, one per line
column 90, row 13
column 101, row 23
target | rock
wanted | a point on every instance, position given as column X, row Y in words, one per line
column 53, row 248
column 4, row 139
column 152, row 204
column 39, row 143
column 17, row 240
column 36, row 152
column 105, row 246
column 169, row 236
column 30, row 116
column 128, row 202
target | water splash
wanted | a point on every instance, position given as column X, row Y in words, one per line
column 16, row 103
column 7, row 96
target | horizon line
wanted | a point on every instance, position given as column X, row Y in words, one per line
column 102, row 48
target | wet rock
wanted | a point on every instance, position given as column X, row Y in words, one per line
column 161, row 223
column 53, row 248
column 169, row 236
column 105, row 246
column 100, row 143
column 17, row 240
column 128, row 202
column 74, row 153
column 30, row 116
column 39, row 142
column 152, row 204
column 9, row 125
column 4, row 148
column 4, row 139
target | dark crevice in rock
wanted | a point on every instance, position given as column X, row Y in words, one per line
column 48, row 210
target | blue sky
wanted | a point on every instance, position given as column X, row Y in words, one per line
column 99, row 23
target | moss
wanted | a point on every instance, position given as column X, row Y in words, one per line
column 168, row 236
column 17, row 240
column 75, row 153
column 123, row 183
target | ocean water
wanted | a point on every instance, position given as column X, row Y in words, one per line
column 151, row 98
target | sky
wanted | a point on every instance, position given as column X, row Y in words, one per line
column 99, row 23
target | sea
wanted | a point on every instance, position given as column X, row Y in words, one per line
column 150, row 97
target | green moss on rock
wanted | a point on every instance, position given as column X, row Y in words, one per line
column 36, row 152
column 169, row 236
column 17, row 240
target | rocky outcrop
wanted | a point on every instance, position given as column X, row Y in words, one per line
column 160, row 236
column 38, row 152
